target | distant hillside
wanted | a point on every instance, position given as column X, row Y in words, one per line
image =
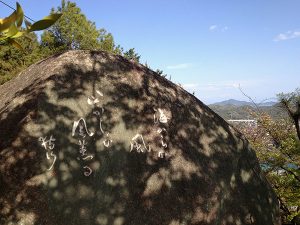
column 235, row 109
column 243, row 103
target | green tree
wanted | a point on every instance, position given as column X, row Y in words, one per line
column 11, row 26
column 74, row 31
column 106, row 41
column 71, row 31
column 291, row 103
column 13, row 60
column 132, row 55
column 277, row 145
column 19, row 47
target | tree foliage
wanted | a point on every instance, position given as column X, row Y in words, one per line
column 11, row 26
column 74, row 31
column 291, row 103
column 277, row 145
column 132, row 55
column 228, row 111
column 13, row 60
column 71, row 31
column 26, row 50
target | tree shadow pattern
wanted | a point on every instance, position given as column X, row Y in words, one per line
column 209, row 175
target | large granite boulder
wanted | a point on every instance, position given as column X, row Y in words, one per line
column 92, row 138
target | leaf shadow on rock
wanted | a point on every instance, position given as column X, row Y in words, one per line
column 210, row 175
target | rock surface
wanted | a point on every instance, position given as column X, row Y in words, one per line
column 91, row 138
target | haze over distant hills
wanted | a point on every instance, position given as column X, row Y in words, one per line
column 243, row 103
column 235, row 109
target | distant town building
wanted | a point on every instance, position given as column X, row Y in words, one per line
column 244, row 121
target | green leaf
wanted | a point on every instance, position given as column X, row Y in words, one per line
column 8, row 21
column 28, row 24
column 15, row 18
column 19, row 34
column 45, row 22
column 11, row 33
column 13, row 30
column 19, row 15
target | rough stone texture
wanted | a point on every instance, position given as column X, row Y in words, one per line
column 209, row 174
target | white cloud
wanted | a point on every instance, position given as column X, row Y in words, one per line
column 179, row 66
column 222, row 85
column 188, row 86
column 287, row 35
column 212, row 86
column 216, row 87
column 224, row 28
column 220, row 90
column 215, row 27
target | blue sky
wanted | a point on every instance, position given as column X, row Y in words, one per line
column 210, row 47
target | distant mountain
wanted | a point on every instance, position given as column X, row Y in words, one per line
column 232, row 102
column 268, row 103
column 234, row 109
column 243, row 103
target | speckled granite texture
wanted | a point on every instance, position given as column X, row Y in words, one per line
column 152, row 153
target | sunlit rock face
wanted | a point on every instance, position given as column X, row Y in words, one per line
column 91, row 138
